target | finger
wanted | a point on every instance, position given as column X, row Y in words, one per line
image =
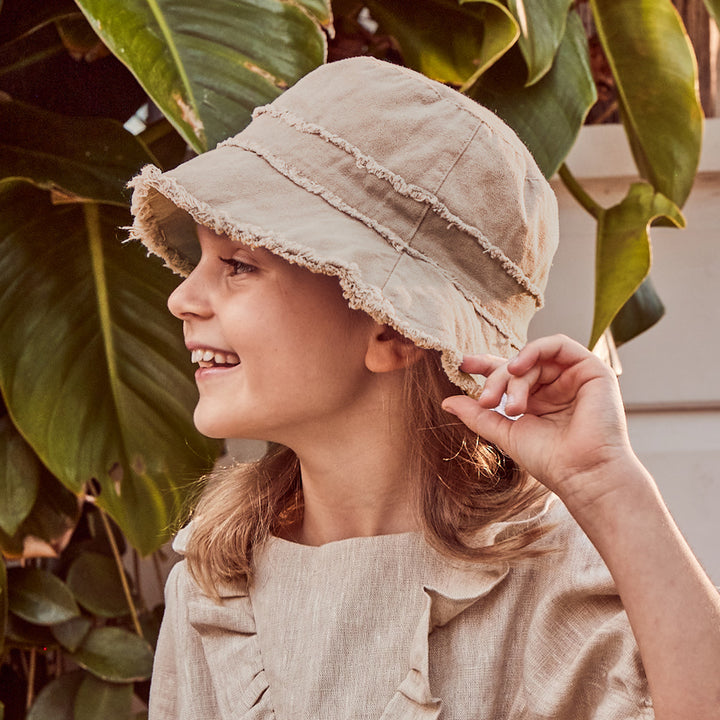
column 555, row 348
column 481, row 364
column 518, row 391
column 495, row 387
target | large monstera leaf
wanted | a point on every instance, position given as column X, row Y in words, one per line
column 93, row 369
column 207, row 63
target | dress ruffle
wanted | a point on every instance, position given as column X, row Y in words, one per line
column 230, row 644
column 414, row 699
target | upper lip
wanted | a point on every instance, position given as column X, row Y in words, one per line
column 202, row 346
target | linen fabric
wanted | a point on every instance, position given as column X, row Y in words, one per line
column 385, row 628
column 427, row 207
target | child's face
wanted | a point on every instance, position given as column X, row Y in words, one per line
column 286, row 355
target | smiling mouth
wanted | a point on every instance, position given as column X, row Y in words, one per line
column 206, row 358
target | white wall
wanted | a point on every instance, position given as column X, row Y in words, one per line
column 670, row 379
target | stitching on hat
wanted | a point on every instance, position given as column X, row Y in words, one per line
column 290, row 172
column 402, row 187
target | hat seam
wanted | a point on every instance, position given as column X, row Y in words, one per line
column 511, row 142
column 396, row 242
column 402, row 187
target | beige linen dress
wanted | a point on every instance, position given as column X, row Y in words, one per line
column 385, row 628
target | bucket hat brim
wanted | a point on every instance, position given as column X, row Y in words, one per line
column 261, row 207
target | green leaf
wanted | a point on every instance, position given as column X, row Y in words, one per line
column 207, row 63
column 638, row 314
column 40, row 597
column 623, row 250
column 95, row 582
column 115, row 655
column 115, row 404
column 48, row 528
column 71, row 633
column 20, row 472
column 100, row 699
column 57, row 699
column 656, row 75
column 542, row 27
column 91, row 158
column 549, row 114
column 448, row 42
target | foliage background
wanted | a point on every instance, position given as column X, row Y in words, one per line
column 98, row 454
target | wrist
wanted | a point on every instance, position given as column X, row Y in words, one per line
column 602, row 495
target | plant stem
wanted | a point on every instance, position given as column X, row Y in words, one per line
column 121, row 570
column 31, row 679
column 578, row 192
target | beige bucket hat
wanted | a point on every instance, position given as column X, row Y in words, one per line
column 428, row 208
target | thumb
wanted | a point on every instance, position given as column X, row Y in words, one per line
column 487, row 423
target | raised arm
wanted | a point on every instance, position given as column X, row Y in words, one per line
column 572, row 437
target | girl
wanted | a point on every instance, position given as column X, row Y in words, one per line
column 404, row 551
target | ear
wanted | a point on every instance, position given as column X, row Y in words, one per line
column 388, row 350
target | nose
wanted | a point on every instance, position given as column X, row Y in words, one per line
column 190, row 297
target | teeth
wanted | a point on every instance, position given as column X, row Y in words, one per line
column 200, row 355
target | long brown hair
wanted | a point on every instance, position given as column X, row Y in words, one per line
column 462, row 485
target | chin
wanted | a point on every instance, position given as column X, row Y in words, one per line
column 211, row 427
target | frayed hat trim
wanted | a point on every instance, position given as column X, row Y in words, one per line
column 402, row 187
column 360, row 295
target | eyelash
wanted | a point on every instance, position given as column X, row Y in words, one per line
column 238, row 266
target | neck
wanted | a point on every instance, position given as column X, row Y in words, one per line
column 355, row 479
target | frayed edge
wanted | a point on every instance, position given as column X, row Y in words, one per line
column 396, row 242
column 402, row 187
column 359, row 295
column 145, row 228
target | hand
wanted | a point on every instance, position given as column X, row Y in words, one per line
column 572, row 434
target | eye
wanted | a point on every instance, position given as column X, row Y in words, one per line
column 238, row 267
